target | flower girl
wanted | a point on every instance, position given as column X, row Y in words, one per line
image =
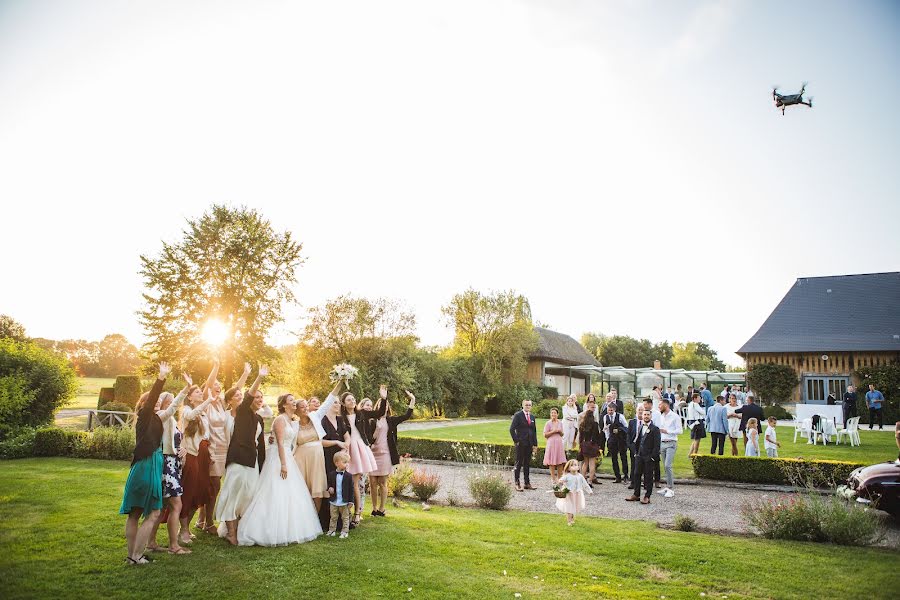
column 577, row 485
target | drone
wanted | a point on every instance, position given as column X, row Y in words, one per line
column 783, row 101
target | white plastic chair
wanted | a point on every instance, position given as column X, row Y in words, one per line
column 851, row 431
column 827, row 430
column 682, row 412
column 803, row 428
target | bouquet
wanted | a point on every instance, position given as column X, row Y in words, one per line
column 343, row 371
column 560, row 490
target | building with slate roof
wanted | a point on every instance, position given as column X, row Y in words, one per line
column 827, row 327
column 556, row 351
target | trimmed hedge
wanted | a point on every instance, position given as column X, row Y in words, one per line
column 107, row 396
column 752, row 469
column 777, row 411
column 503, row 454
column 128, row 390
column 19, row 444
column 112, row 443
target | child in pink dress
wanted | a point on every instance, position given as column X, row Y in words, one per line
column 554, row 453
column 574, row 502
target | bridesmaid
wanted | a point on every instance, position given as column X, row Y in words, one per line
column 384, row 448
column 362, row 461
column 143, row 489
column 195, row 477
column 570, row 422
column 332, row 443
column 309, row 451
column 217, row 415
column 554, row 454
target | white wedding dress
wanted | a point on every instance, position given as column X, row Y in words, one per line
column 282, row 511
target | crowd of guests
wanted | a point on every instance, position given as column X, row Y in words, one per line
column 206, row 453
column 642, row 449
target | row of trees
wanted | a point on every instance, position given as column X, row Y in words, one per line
column 629, row 352
column 111, row 356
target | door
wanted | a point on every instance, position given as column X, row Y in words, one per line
column 838, row 385
column 815, row 390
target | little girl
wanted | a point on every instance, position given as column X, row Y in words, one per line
column 752, row 448
column 573, row 503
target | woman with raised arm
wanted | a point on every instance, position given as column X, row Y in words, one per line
column 282, row 511
column 384, row 448
column 362, row 461
column 246, row 456
column 173, row 457
column 309, row 449
column 218, row 415
column 195, row 477
column 143, row 489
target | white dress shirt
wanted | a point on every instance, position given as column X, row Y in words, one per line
column 671, row 422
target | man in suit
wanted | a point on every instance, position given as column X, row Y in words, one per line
column 849, row 404
column 647, row 442
column 615, row 427
column 633, row 426
column 523, row 431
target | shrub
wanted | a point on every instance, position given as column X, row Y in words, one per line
column 51, row 441
column 811, row 518
column 128, row 390
column 510, row 397
column 685, row 523
column 492, row 406
column 41, row 381
column 772, row 383
column 490, row 490
column 107, row 396
column 751, row 469
column 777, row 411
column 18, row 443
column 549, row 392
column 111, row 443
column 425, row 484
column 542, row 409
column 399, row 480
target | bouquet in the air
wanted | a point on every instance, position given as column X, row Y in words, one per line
column 343, row 371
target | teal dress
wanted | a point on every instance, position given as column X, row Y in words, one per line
column 143, row 489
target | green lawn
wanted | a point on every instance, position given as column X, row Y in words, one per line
column 876, row 446
column 61, row 536
column 88, row 391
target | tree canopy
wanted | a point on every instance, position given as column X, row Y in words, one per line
column 230, row 264
column 11, row 329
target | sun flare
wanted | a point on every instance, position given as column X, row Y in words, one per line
column 214, row 332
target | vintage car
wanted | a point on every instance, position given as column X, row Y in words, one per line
column 875, row 485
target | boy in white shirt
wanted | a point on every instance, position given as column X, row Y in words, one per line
column 771, row 444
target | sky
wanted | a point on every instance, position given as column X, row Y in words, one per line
column 619, row 163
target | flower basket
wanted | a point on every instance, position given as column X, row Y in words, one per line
column 560, row 493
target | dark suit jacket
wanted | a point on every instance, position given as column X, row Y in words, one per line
column 392, row 434
column 521, row 431
column 346, row 486
column 365, row 421
column 751, row 411
column 648, row 447
column 245, row 447
column 632, row 431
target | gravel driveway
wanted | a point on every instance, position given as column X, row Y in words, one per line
column 714, row 507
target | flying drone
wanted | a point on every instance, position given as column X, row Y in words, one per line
column 782, row 101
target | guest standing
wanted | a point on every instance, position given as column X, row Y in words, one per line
column 523, row 431
column 696, row 422
column 615, row 429
column 771, row 441
column 751, row 410
column 633, row 426
column 332, row 443
column 669, row 430
column 340, row 489
column 848, row 404
column 590, row 446
column 717, row 425
column 554, row 454
column 384, row 448
column 195, row 477
column 362, row 461
column 570, row 421
column 143, row 489
column 874, row 400
column 752, row 433
column 734, row 422
column 647, row 443
column 245, row 458
column 309, row 450
column 575, row 482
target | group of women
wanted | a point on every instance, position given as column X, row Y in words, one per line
column 263, row 489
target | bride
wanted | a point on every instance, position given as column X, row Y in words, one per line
column 282, row 511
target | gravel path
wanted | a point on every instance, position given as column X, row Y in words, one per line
column 715, row 507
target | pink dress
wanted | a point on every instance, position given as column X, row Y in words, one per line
column 554, row 454
column 380, row 450
column 574, row 502
column 362, row 461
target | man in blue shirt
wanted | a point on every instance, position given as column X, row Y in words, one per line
column 874, row 400
column 707, row 396
column 717, row 425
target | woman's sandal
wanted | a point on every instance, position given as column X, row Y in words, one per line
column 155, row 549
column 212, row 529
column 180, row 551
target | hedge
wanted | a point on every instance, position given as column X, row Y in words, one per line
column 107, row 396
column 752, row 469
column 128, row 389
column 427, row 449
column 113, row 443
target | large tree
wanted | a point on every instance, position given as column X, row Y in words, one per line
column 230, row 264
column 626, row 351
column 495, row 327
column 117, row 356
column 12, row 329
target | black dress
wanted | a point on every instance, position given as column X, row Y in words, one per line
column 335, row 434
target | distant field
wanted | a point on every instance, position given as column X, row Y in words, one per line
column 88, row 391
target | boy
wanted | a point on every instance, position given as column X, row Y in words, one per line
column 772, row 444
column 340, row 490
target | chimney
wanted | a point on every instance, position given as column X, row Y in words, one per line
column 657, row 365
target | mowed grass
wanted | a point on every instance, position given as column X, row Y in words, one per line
column 876, row 446
column 61, row 536
column 89, row 391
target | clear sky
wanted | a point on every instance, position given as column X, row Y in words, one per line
column 619, row 163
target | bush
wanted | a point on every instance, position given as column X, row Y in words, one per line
column 542, row 409
column 399, row 480
column 18, row 444
column 111, row 443
column 492, row 406
column 51, row 441
column 777, row 411
column 751, row 469
column 809, row 517
column 128, row 390
column 549, row 392
column 107, row 396
column 510, row 397
column 772, row 383
column 685, row 523
column 490, row 490
column 425, row 484
column 35, row 383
